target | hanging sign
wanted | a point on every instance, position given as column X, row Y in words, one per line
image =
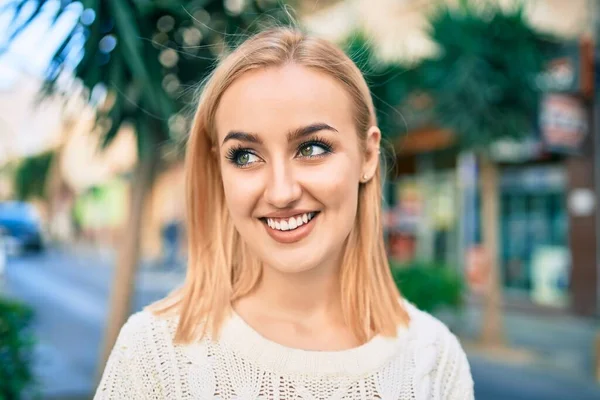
column 571, row 70
column 563, row 122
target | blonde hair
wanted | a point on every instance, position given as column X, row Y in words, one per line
column 221, row 268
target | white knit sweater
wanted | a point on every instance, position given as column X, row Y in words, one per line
column 423, row 362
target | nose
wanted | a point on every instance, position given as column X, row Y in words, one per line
column 282, row 189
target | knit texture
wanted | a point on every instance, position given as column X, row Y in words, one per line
column 424, row 361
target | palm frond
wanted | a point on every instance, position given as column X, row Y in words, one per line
column 144, row 52
column 483, row 78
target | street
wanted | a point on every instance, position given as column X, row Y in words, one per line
column 70, row 296
column 70, row 292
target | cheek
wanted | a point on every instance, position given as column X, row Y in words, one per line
column 345, row 196
column 337, row 186
column 242, row 191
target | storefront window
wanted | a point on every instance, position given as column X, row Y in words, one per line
column 534, row 248
column 423, row 221
column 427, row 222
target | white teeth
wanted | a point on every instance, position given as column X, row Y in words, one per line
column 290, row 223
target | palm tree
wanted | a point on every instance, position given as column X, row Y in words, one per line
column 141, row 58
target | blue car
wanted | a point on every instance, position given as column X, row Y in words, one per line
column 20, row 222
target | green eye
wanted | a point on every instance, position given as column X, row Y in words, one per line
column 243, row 159
column 312, row 150
column 306, row 151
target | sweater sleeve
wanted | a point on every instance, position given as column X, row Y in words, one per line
column 128, row 373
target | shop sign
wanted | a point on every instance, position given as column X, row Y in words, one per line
column 534, row 179
column 477, row 271
column 516, row 150
column 563, row 123
column 550, row 275
column 571, row 71
column 409, row 212
column 561, row 75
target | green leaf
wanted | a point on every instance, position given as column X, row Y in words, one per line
column 31, row 175
column 16, row 350
column 132, row 70
column 483, row 78
column 128, row 31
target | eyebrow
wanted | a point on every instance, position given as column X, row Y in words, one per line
column 243, row 137
column 294, row 135
column 308, row 130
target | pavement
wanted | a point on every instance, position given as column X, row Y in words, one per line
column 544, row 357
column 69, row 291
column 562, row 343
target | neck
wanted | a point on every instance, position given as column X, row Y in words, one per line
column 300, row 296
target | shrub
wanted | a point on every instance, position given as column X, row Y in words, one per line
column 16, row 349
column 429, row 286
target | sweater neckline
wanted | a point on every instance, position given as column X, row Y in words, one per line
column 244, row 340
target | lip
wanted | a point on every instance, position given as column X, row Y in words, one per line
column 288, row 214
column 294, row 235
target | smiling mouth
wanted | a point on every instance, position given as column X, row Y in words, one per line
column 292, row 229
column 289, row 224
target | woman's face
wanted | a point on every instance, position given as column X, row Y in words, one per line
column 291, row 165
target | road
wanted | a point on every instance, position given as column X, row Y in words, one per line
column 70, row 296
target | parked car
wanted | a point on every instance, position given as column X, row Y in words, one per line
column 22, row 225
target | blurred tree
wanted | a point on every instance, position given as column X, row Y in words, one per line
column 30, row 176
column 139, row 60
column 483, row 88
column 390, row 83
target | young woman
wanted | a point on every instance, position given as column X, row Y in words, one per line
column 288, row 293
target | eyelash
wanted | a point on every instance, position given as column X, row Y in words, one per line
column 234, row 152
column 317, row 141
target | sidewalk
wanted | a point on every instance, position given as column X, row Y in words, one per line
column 558, row 344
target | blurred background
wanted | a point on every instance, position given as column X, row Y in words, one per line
column 490, row 115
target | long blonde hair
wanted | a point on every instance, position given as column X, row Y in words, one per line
column 221, row 268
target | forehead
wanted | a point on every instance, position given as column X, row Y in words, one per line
column 276, row 99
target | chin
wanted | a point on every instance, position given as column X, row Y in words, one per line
column 291, row 265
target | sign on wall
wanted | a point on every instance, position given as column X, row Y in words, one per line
column 571, row 70
column 563, row 122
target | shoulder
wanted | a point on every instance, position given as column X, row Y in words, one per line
column 139, row 324
column 130, row 369
column 426, row 327
column 145, row 331
column 425, row 330
column 146, row 320
column 440, row 361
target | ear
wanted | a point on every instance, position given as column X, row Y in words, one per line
column 371, row 158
